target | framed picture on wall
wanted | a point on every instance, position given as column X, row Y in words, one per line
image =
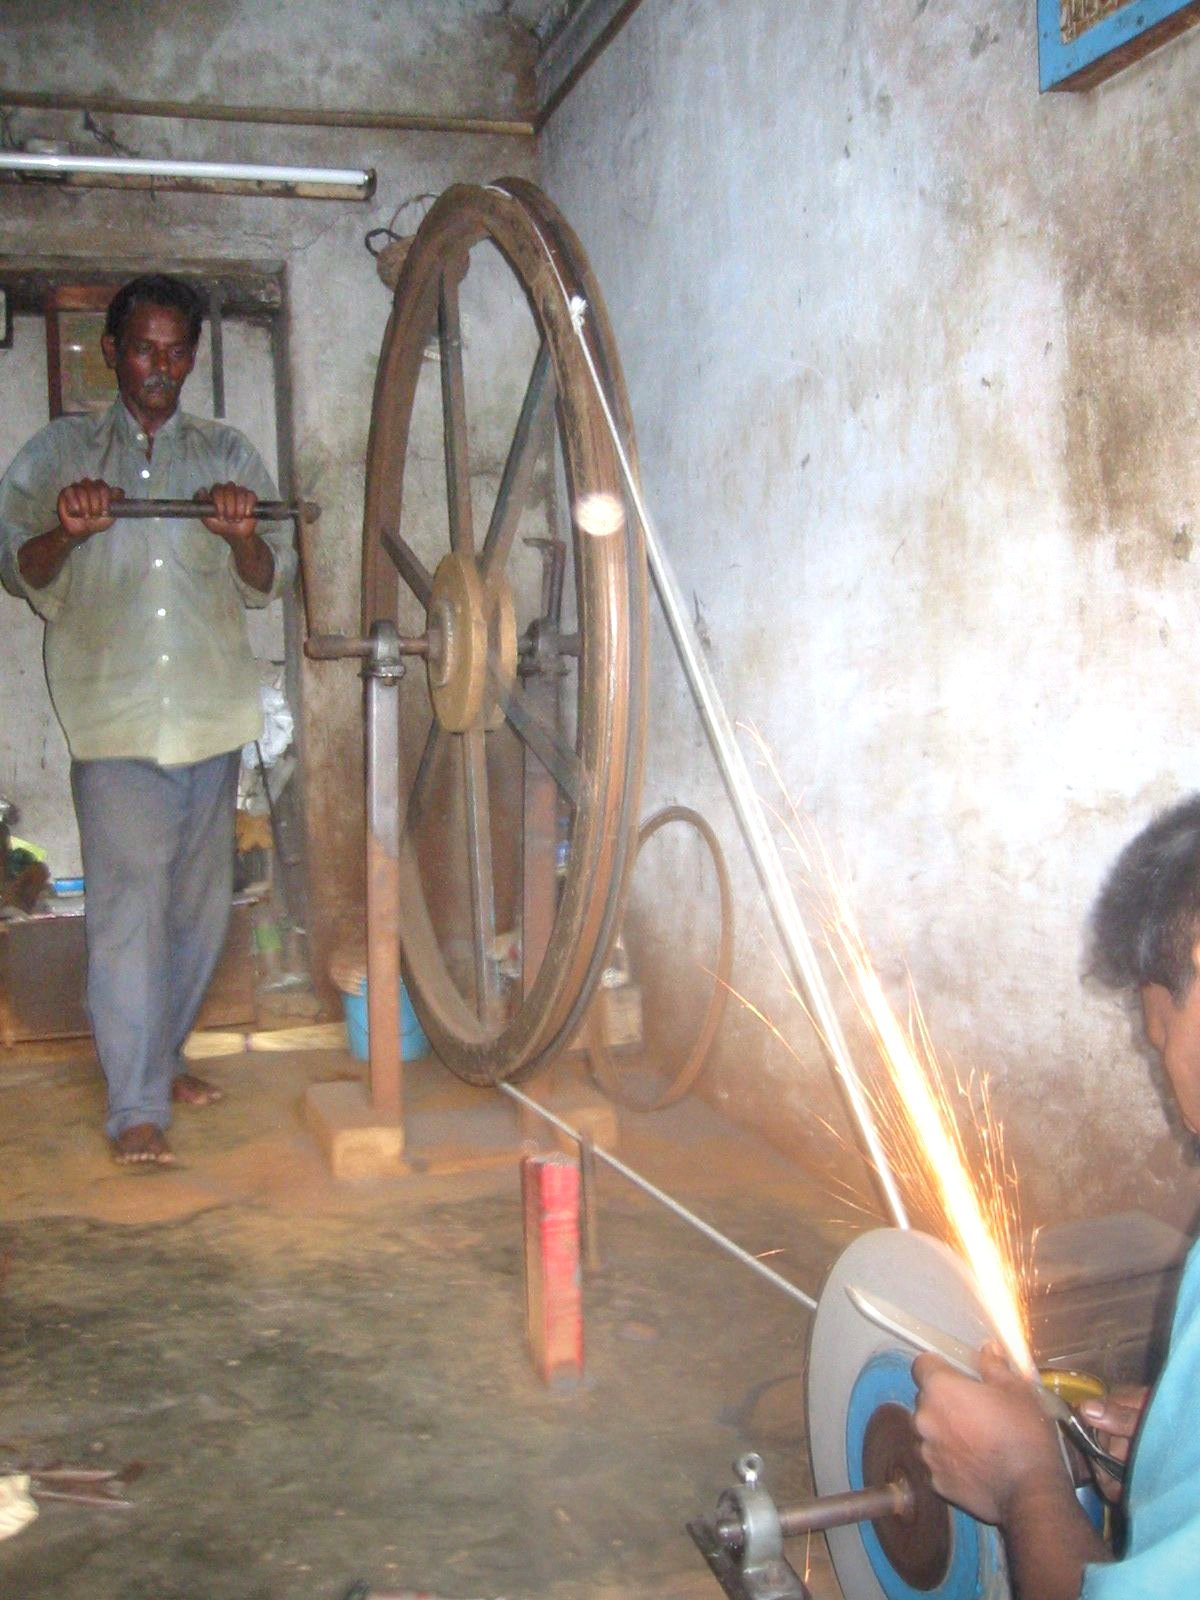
column 1082, row 42
column 79, row 381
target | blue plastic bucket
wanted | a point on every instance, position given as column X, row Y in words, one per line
column 413, row 1043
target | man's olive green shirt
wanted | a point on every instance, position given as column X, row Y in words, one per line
column 147, row 653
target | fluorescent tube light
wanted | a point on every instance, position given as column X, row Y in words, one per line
column 218, row 177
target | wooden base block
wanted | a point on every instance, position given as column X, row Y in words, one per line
column 346, row 1125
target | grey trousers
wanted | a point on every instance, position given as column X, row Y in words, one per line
column 158, row 846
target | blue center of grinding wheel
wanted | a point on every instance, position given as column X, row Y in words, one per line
column 975, row 1551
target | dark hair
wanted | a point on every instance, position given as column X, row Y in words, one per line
column 1146, row 922
column 155, row 289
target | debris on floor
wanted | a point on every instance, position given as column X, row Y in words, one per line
column 269, row 1341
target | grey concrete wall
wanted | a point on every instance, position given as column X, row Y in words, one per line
column 913, row 355
column 463, row 57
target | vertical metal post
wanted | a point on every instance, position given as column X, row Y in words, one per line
column 216, row 333
column 383, row 671
column 539, row 871
column 589, row 1212
column 539, row 811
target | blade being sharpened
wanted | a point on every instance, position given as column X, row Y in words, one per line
column 924, row 1336
column 921, row 1335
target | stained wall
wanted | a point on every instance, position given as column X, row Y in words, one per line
column 913, row 351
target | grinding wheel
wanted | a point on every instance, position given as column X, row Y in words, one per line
column 860, row 1399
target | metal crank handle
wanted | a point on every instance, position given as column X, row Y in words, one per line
column 264, row 511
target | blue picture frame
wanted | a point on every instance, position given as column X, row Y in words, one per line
column 1125, row 35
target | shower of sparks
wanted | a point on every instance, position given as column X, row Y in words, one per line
column 964, row 1182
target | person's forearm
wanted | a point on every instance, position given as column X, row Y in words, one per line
column 1050, row 1541
column 255, row 561
column 40, row 559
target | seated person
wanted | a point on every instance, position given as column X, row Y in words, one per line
column 988, row 1445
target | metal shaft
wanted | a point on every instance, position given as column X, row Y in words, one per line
column 672, row 1205
column 340, row 646
column 840, row 1510
column 383, row 874
column 894, row 1499
column 264, row 511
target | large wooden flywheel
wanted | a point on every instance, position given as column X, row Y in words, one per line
column 497, row 526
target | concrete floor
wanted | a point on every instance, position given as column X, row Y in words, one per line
column 329, row 1382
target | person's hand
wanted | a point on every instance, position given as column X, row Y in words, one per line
column 1115, row 1420
column 83, row 508
column 233, row 511
column 985, row 1443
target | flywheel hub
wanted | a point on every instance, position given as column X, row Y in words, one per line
column 472, row 645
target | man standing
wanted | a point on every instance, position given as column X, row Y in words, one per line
column 151, row 674
column 989, row 1445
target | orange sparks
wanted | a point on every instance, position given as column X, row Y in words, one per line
column 916, row 1115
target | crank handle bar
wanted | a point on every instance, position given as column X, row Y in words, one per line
column 264, row 511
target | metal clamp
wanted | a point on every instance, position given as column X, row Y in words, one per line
column 744, row 1544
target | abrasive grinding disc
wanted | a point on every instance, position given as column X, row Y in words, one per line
column 860, row 1396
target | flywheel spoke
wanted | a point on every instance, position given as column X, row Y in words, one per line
column 547, row 744
column 479, row 852
column 454, row 418
column 408, row 564
column 427, row 767
column 523, row 453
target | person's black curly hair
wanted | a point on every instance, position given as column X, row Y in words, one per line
column 155, row 289
column 1146, row 922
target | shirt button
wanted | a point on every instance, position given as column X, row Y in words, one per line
column 166, row 700
column 161, row 612
column 145, row 472
column 164, row 658
column 158, row 561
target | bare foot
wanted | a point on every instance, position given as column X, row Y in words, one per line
column 142, row 1145
column 189, row 1090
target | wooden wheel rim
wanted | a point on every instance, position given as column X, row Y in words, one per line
column 548, row 264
